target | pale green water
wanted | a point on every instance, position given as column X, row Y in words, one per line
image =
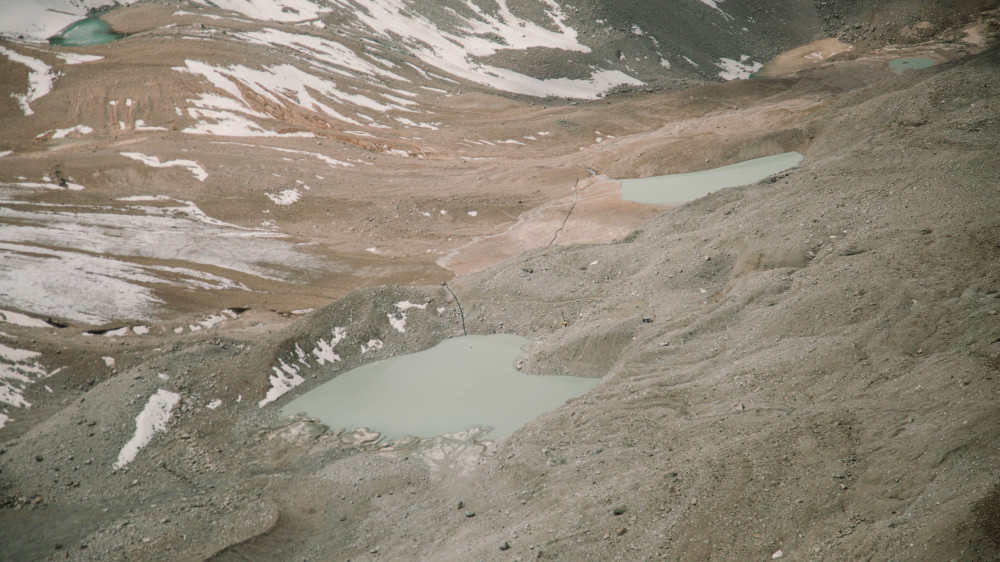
column 459, row 384
column 900, row 66
column 89, row 31
column 679, row 188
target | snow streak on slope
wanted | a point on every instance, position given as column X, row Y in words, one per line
column 18, row 369
column 77, row 259
column 737, row 69
column 40, row 79
column 154, row 162
column 715, row 6
column 273, row 10
column 324, row 73
column 283, row 85
column 474, row 33
column 152, row 419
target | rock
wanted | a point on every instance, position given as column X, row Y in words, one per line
column 461, row 504
column 470, row 514
column 505, row 545
column 777, row 554
column 619, row 510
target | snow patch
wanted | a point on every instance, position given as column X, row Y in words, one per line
column 109, row 361
column 324, row 348
column 371, row 345
column 154, row 162
column 737, row 69
column 152, row 419
column 286, row 197
column 285, row 11
column 398, row 321
column 18, row 369
column 476, row 34
column 214, row 404
column 77, row 58
column 285, row 378
column 63, row 133
column 40, row 79
column 140, row 125
column 18, row 319
column 71, row 253
column 714, row 4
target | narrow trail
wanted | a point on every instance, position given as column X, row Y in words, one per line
column 576, row 197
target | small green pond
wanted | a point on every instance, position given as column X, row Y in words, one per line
column 902, row 65
column 461, row 383
column 88, row 31
column 680, row 188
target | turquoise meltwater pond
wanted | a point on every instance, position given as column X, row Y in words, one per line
column 89, row 31
column 459, row 384
column 902, row 65
column 680, row 188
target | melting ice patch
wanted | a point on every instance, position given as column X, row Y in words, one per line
column 55, row 260
column 18, row 319
column 40, row 79
column 324, row 348
column 286, row 377
column 286, row 374
column 154, row 162
column 714, row 4
column 325, row 53
column 273, row 10
column 737, row 69
column 77, row 58
column 286, row 197
column 18, row 369
column 283, row 84
column 398, row 321
column 63, row 133
column 473, row 33
column 152, row 419
column 373, row 344
column 332, row 162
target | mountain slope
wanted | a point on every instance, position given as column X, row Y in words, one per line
column 207, row 234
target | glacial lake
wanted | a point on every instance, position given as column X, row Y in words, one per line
column 680, row 188
column 88, row 31
column 900, row 66
column 459, row 384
